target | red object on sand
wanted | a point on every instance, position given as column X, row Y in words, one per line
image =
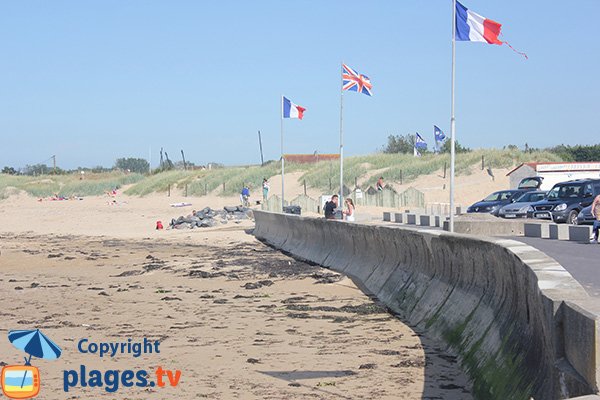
column 159, row 225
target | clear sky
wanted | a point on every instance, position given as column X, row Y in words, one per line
column 91, row 81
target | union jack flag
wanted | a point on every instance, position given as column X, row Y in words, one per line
column 352, row 80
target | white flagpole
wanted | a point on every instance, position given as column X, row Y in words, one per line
column 452, row 120
column 282, row 161
column 341, row 201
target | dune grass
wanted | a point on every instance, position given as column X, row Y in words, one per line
column 322, row 176
column 65, row 185
column 406, row 168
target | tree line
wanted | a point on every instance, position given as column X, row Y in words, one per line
column 404, row 144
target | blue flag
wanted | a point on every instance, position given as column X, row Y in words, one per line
column 420, row 142
column 438, row 134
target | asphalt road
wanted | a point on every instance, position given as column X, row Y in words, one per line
column 582, row 260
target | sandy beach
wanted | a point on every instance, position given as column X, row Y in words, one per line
column 239, row 319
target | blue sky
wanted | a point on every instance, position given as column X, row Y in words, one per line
column 91, row 81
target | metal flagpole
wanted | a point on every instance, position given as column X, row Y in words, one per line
column 452, row 120
column 341, row 200
column 282, row 161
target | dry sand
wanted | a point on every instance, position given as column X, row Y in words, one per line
column 236, row 317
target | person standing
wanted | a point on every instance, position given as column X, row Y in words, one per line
column 349, row 213
column 330, row 207
column 596, row 215
column 265, row 186
column 380, row 183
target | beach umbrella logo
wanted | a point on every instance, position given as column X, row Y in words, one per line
column 23, row 381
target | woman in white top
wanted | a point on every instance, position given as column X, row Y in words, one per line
column 350, row 212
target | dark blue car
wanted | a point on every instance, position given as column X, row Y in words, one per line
column 495, row 201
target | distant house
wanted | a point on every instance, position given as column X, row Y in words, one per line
column 554, row 172
column 310, row 158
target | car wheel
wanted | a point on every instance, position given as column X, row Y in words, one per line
column 572, row 218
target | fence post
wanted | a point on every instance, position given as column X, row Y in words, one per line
column 330, row 184
column 186, row 190
column 205, row 189
column 444, row 169
column 401, row 177
column 482, row 163
column 169, row 193
column 305, row 187
column 355, row 182
column 223, row 187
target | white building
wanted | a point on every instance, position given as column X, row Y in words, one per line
column 554, row 172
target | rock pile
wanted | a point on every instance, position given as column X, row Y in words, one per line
column 207, row 217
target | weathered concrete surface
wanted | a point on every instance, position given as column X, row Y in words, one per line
column 501, row 305
column 559, row 232
column 411, row 219
column 580, row 233
column 399, row 218
column 536, row 229
column 426, row 220
column 486, row 225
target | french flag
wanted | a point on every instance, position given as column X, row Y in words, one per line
column 472, row 27
column 291, row 110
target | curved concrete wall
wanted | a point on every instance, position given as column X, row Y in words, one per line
column 499, row 304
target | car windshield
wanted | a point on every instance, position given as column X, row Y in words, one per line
column 565, row 192
column 530, row 197
column 498, row 196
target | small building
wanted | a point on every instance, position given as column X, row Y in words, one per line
column 310, row 158
column 554, row 172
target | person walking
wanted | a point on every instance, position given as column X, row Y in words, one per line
column 596, row 215
column 245, row 196
column 349, row 213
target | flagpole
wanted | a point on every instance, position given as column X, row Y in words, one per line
column 452, row 120
column 341, row 195
column 282, row 161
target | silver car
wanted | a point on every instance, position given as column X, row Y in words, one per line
column 518, row 208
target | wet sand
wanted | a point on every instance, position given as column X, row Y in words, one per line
column 236, row 317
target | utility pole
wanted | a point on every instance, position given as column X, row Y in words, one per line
column 262, row 160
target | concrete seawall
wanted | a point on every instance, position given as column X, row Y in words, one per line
column 521, row 325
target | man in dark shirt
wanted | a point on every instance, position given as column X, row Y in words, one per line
column 330, row 207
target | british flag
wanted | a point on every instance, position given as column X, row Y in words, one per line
column 352, row 80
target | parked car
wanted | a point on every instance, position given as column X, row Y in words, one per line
column 565, row 200
column 531, row 183
column 492, row 203
column 585, row 216
column 518, row 208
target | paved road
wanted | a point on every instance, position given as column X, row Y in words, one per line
column 582, row 260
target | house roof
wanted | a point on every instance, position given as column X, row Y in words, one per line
column 560, row 166
column 310, row 158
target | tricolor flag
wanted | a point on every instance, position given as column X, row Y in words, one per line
column 420, row 142
column 472, row 27
column 438, row 134
column 291, row 110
